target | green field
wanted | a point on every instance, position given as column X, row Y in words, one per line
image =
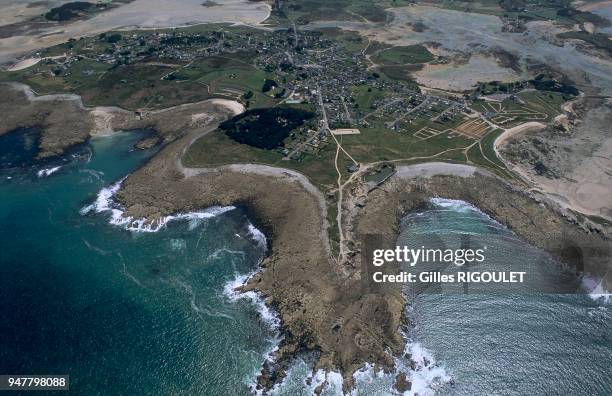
column 403, row 55
column 526, row 10
column 156, row 84
column 538, row 106
column 305, row 11
column 120, row 72
column 372, row 145
column 401, row 73
column 598, row 40
column 365, row 97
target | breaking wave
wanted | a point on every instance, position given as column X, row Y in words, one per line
column 424, row 375
column 422, row 371
column 267, row 315
column 596, row 290
column 257, row 236
column 47, row 171
column 454, row 205
column 459, row 206
column 104, row 203
column 230, row 291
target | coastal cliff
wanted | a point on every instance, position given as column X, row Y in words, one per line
column 325, row 306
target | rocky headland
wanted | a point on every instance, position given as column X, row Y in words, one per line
column 325, row 306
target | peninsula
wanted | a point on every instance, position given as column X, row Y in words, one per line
column 326, row 132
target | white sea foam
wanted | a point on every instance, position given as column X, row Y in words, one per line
column 596, row 290
column 103, row 200
column 104, row 203
column 220, row 252
column 330, row 381
column 267, row 315
column 258, row 236
column 95, row 175
column 421, row 369
column 455, row 205
column 318, row 378
column 47, row 171
column 425, row 374
column 334, row 382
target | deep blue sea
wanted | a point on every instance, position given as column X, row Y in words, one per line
column 121, row 312
column 128, row 312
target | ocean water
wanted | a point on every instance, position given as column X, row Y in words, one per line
column 121, row 312
column 125, row 309
column 516, row 342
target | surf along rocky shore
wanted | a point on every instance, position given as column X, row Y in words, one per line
column 324, row 306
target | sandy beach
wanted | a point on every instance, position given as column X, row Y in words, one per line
column 582, row 186
column 24, row 64
column 430, row 169
column 513, row 132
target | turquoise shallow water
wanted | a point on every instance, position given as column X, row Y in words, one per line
column 150, row 313
column 120, row 312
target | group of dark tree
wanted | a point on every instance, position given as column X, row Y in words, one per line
column 69, row 11
column 545, row 83
column 268, row 85
column 265, row 128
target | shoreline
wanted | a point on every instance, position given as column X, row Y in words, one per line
column 530, row 218
column 451, row 185
column 68, row 121
column 568, row 198
column 325, row 306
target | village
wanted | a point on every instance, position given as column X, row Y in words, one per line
column 323, row 71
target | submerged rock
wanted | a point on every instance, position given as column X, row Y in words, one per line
column 402, row 384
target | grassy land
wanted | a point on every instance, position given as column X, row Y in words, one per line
column 400, row 72
column 217, row 149
column 526, row 10
column 483, row 155
column 398, row 63
column 105, row 72
column 350, row 41
column 156, row 82
column 150, row 85
column 403, row 55
column 538, row 106
column 365, row 97
column 598, row 40
column 305, row 11
column 487, row 147
column 372, row 145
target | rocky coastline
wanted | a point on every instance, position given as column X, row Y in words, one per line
column 325, row 306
